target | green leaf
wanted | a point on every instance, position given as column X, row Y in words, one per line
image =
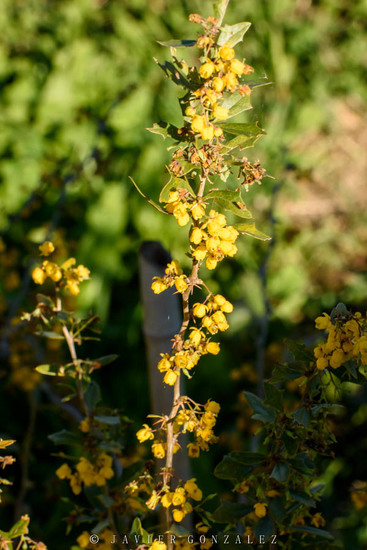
column 229, row 468
column 312, row 531
column 111, row 420
column 240, row 128
column 250, row 230
column 264, row 528
column 173, row 184
column 177, row 43
column 302, row 416
column 100, row 526
column 277, row 509
column 64, row 437
column 231, row 512
column 240, row 211
column 302, row 462
column 232, row 34
column 249, row 458
column 290, row 443
column 19, row 528
column 261, row 411
column 302, row 497
column 106, row 500
column 137, row 530
column 246, row 135
column 236, row 104
column 150, row 201
column 106, row 360
column 273, row 396
column 165, row 130
column 92, row 396
column 49, row 334
column 219, row 9
column 174, row 74
column 280, row 472
column 49, row 370
column 299, row 351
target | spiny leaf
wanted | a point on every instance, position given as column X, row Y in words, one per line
column 232, row 34
column 238, row 209
column 251, row 230
column 165, row 130
column 174, row 74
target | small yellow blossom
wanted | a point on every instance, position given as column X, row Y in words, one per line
column 46, row 248
column 260, row 509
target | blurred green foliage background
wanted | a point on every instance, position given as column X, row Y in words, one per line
column 78, row 87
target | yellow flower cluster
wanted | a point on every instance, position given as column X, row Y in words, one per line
column 201, row 424
column 213, row 240
column 177, row 498
column 87, row 473
column 173, row 276
column 65, row 275
column 347, row 339
column 182, row 208
column 219, row 74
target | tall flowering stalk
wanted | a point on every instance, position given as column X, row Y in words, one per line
column 201, row 194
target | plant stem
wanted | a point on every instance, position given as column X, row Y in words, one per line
column 171, row 439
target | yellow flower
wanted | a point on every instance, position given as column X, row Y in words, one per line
column 213, row 407
column 181, row 284
column 218, row 84
column 213, row 348
column 178, row 497
column 200, row 252
column 318, row 521
column 181, row 214
column 207, row 69
column 196, row 235
column 193, row 450
column 46, row 248
column 237, row 66
column 197, row 212
column 166, row 500
column 207, row 133
column 84, row 425
column 198, row 123
column 145, row 434
column 226, row 52
column 260, row 509
column 164, row 364
column 157, row 545
column 190, row 111
column 39, row 276
column 76, row 484
column 63, row 472
column 170, row 377
column 221, row 113
column 83, row 540
column 178, row 515
column 337, row 358
column 158, row 285
column 199, row 310
column 322, row 363
column 158, row 450
column 153, row 501
column 52, row 270
column 322, row 322
column 193, row 490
